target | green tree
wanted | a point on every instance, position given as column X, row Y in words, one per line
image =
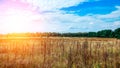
column 117, row 33
column 105, row 33
column 92, row 34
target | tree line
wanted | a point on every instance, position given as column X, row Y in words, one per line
column 107, row 33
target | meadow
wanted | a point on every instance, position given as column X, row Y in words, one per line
column 59, row 52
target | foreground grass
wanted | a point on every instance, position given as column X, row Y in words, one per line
column 59, row 52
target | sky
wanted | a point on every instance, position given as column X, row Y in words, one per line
column 58, row 15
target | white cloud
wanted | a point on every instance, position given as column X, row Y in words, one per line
column 116, row 23
column 58, row 21
column 53, row 4
column 64, row 22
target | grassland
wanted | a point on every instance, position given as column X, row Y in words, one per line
column 59, row 52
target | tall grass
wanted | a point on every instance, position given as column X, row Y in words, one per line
column 60, row 52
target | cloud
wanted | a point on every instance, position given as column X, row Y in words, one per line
column 115, row 25
column 64, row 22
column 54, row 4
column 56, row 20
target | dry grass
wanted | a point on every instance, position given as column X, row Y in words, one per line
column 60, row 52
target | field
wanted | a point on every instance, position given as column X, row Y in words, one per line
column 59, row 52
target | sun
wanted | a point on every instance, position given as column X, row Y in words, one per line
column 21, row 17
column 17, row 20
column 18, row 17
column 21, row 21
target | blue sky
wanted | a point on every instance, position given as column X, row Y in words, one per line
column 63, row 15
column 94, row 7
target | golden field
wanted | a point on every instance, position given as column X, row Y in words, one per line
column 59, row 52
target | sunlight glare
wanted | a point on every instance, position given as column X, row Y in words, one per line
column 18, row 20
